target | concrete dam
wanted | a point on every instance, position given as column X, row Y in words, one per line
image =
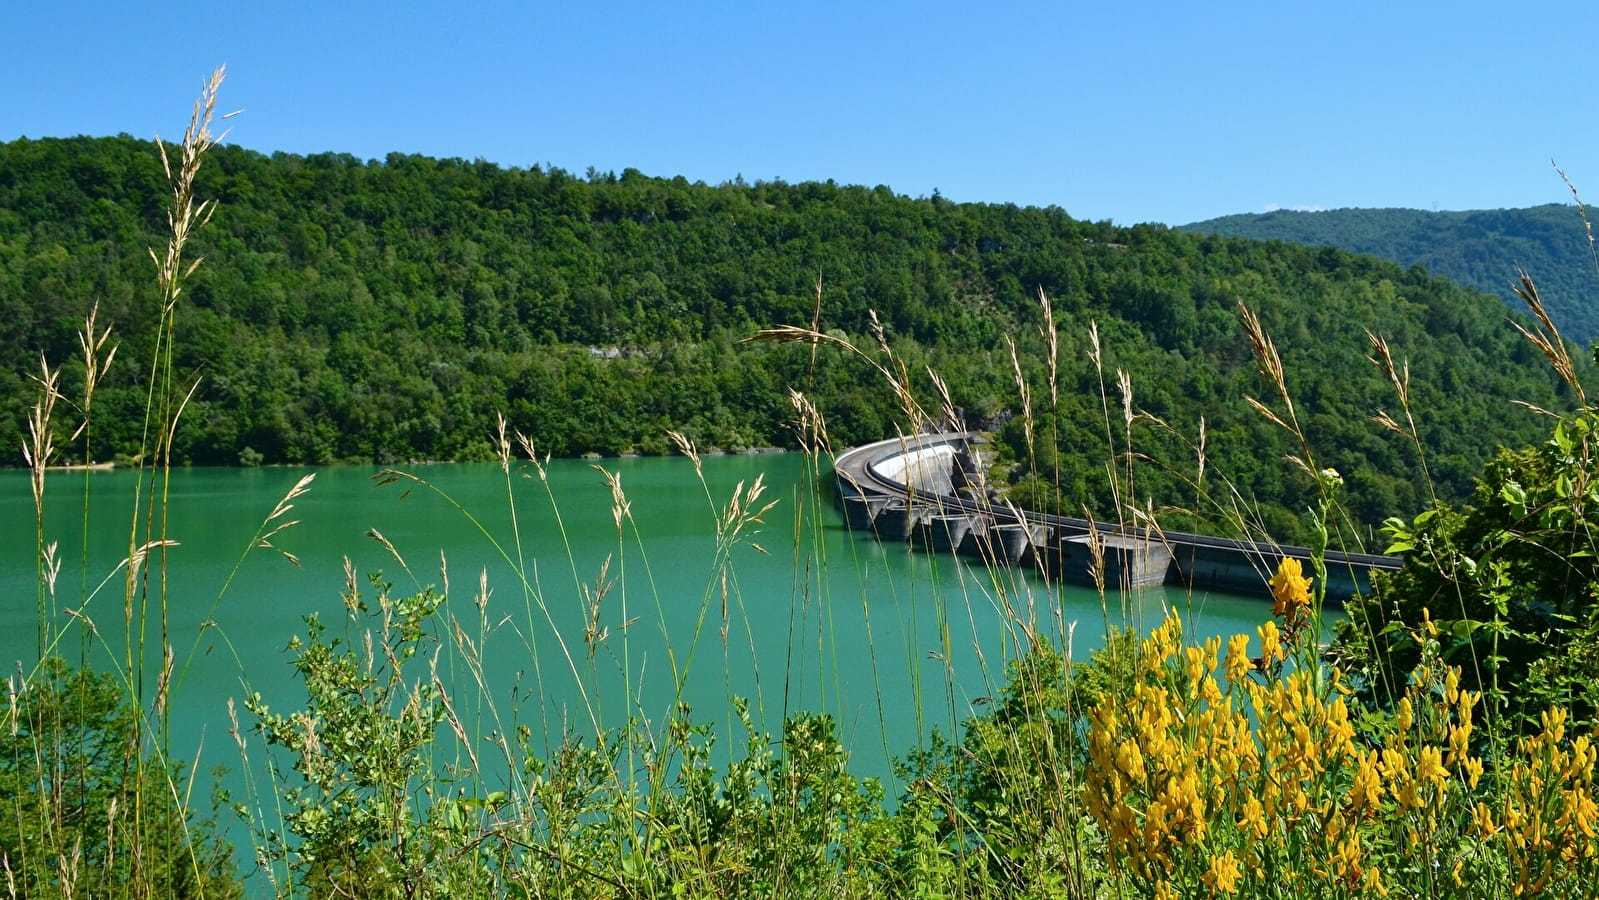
column 915, row 489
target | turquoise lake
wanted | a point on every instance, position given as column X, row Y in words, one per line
column 892, row 643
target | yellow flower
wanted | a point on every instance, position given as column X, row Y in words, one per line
column 1194, row 668
column 1554, row 724
column 1347, row 858
column 1254, row 820
column 1238, row 665
column 1270, row 641
column 1365, row 788
column 1430, row 765
column 1406, row 715
column 1374, row 885
column 1130, row 761
column 1162, row 643
column 1223, row 874
column 1340, row 731
column 1580, row 812
column 1290, row 591
column 1483, row 818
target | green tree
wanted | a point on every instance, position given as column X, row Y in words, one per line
column 1508, row 583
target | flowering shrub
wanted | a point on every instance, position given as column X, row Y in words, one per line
column 1219, row 774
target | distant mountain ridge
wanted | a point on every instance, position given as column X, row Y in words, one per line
column 1483, row 249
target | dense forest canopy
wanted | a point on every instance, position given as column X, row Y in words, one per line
column 1478, row 248
column 381, row 310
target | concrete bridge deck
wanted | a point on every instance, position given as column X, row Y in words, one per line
column 911, row 489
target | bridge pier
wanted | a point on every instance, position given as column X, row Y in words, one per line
column 897, row 520
column 1010, row 543
column 944, row 532
column 860, row 510
column 1128, row 561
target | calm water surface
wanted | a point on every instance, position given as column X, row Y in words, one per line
column 891, row 643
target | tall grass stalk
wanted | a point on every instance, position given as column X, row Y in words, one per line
column 165, row 398
column 39, row 453
column 97, row 359
column 108, row 813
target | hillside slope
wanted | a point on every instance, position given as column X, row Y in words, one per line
column 1482, row 249
column 375, row 311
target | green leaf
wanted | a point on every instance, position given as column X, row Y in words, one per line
column 1514, row 494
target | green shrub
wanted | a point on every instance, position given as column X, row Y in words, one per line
column 79, row 816
column 1509, row 582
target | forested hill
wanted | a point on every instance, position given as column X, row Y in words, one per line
column 1480, row 248
column 353, row 310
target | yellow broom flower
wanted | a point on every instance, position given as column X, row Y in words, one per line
column 1290, row 591
column 1238, row 665
column 1223, row 875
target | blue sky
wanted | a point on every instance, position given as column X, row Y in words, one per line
column 1131, row 111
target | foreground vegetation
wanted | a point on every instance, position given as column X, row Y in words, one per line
column 1401, row 763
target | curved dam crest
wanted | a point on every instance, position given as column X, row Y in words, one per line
column 925, row 489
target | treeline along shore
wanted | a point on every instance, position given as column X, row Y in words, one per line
column 382, row 310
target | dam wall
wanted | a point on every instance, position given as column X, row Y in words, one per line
column 917, row 489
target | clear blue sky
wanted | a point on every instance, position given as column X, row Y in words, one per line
column 1115, row 109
